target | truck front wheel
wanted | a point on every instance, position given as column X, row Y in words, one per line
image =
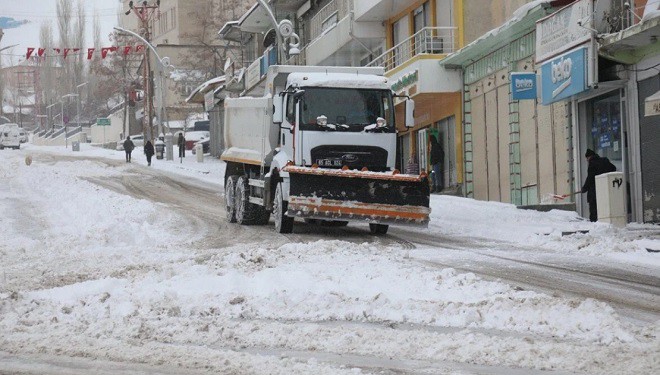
column 378, row 229
column 283, row 223
column 230, row 197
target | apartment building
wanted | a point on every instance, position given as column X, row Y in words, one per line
column 185, row 31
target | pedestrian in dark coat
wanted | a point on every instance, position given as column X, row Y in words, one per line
column 597, row 165
column 149, row 151
column 128, row 148
column 181, row 142
column 437, row 159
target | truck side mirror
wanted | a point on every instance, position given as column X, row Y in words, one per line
column 278, row 109
column 410, row 113
column 298, row 94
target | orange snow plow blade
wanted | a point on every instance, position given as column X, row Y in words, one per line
column 350, row 195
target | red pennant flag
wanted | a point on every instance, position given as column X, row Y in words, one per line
column 57, row 50
column 139, row 48
column 29, row 52
column 104, row 52
column 90, row 52
column 75, row 50
column 127, row 50
column 41, row 51
column 113, row 49
column 66, row 52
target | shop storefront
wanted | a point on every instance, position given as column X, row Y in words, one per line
column 437, row 112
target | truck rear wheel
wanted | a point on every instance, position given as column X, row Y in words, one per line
column 283, row 223
column 378, row 229
column 230, row 197
column 246, row 213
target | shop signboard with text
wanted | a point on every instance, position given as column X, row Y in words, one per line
column 564, row 76
column 523, row 86
column 564, row 29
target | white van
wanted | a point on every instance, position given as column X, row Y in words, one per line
column 10, row 136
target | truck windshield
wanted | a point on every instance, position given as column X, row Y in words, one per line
column 353, row 110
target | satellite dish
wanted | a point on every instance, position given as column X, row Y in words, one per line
column 270, row 38
column 228, row 63
column 286, row 28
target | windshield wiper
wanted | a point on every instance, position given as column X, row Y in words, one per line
column 338, row 126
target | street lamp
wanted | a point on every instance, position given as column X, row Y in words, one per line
column 49, row 115
column 284, row 30
column 163, row 63
column 66, row 135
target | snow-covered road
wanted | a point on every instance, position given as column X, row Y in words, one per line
column 122, row 268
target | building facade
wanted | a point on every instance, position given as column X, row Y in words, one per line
column 589, row 64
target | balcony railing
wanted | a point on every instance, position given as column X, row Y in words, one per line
column 429, row 40
column 329, row 15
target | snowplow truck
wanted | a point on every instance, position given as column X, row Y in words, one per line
column 319, row 144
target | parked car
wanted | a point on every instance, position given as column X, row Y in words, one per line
column 138, row 141
column 22, row 135
column 194, row 136
column 205, row 146
column 9, row 136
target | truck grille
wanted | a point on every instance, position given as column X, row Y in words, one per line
column 355, row 157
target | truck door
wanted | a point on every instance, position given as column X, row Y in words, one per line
column 288, row 125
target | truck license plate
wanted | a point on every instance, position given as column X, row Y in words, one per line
column 328, row 162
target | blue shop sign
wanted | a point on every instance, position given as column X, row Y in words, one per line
column 564, row 76
column 523, row 86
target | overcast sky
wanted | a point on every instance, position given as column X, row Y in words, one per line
column 35, row 12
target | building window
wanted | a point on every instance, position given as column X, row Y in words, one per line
column 330, row 21
column 422, row 17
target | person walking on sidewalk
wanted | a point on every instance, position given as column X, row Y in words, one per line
column 149, row 151
column 597, row 165
column 181, row 142
column 128, row 148
column 437, row 159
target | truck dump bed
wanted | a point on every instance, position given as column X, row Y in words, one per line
column 249, row 132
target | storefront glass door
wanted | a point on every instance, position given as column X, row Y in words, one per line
column 604, row 127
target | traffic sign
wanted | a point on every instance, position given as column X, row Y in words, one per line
column 103, row 121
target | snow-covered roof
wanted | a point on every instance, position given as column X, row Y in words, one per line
column 651, row 10
column 345, row 80
column 197, row 95
column 186, row 75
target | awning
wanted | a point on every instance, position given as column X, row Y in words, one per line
column 652, row 105
column 231, row 31
column 197, row 95
column 631, row 45
column 255, row 20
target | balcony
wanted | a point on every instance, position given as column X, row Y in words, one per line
column 427, row 41
column 337, row 39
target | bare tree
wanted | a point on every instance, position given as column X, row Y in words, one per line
column 208, row 52
column 47, row 65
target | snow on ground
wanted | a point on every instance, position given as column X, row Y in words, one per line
column 89, row 272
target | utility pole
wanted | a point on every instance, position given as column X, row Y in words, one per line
column 146, row 14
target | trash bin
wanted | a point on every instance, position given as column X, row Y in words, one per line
column 199, row 151
column 75, row 146
column 160, row 149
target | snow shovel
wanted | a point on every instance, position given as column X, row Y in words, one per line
column 564, row 196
